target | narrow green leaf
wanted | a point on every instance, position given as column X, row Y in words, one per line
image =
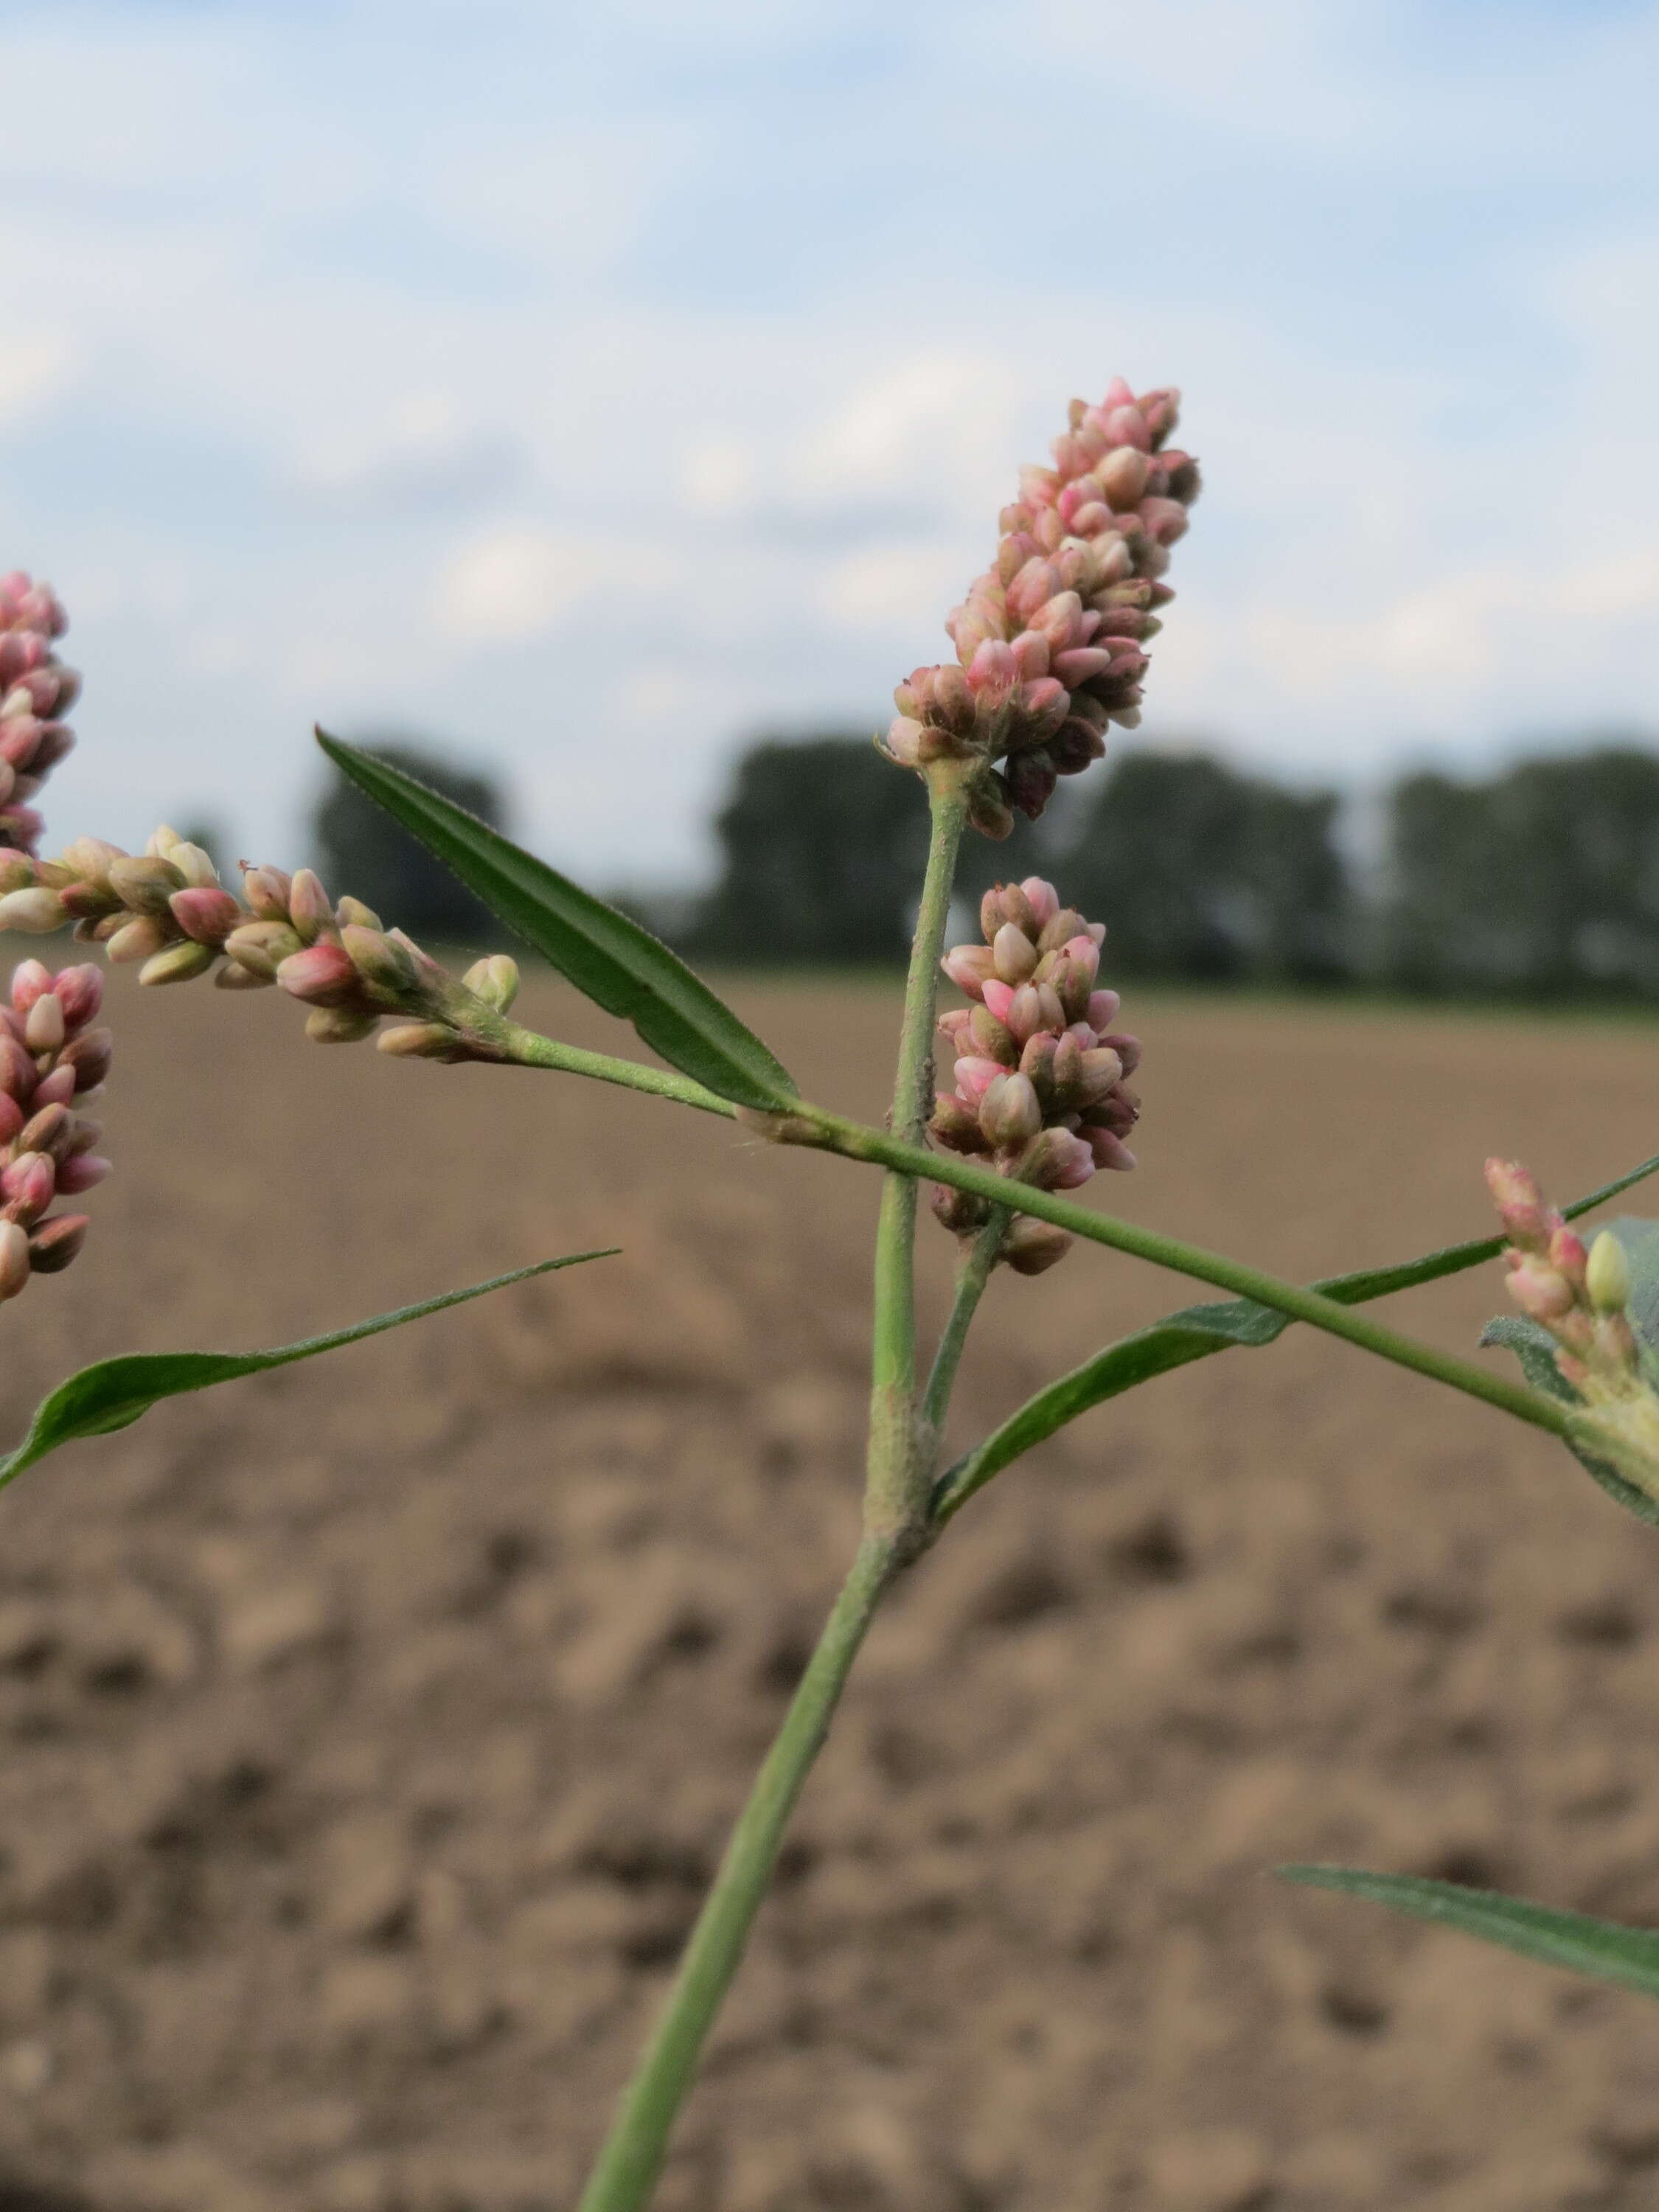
column 1195, row 1332
column 1534, row 1347
column 115, row 1393
column 1600, row 1948
column 606, row 954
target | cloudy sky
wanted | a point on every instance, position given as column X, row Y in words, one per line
column 589, row 388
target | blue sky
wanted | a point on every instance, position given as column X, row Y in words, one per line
column 591, row 389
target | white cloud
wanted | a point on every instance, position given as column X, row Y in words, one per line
column 423, row 452
column 34, row 371
column 512, row 583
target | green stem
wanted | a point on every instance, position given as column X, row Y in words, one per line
column 972, row 1276
column 632, row 2156
column 810, row 1126
column 523, row 1047
column 896, row 1488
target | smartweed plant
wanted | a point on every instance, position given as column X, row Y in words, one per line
column 1051, row 649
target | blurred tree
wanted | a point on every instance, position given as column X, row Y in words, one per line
column 823, row 846
column 823, row 843
column 363, row 851
column 1544, row 879
column 1205, row 875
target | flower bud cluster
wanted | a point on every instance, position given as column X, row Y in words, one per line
column 52, row 1060
column 1580, row 1297
column 1041, row 1071
column 35, row 691
column 1051, row 641
column 167, row 909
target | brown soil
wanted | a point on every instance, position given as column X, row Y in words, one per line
column 370, row 1729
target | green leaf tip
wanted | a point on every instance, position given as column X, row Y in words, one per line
column 1603, row 1949
column 604, row 953
column 114, row 1393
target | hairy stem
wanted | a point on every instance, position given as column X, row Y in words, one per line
column 810, row 1126
column 972, row 1276
column 632, row 2156
column 896, row 1484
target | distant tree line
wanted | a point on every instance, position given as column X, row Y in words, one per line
column 1540, row 880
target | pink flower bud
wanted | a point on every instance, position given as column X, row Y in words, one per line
column 1080, row 664
column 975, row 1078
column 308, row 907
column 33, row 912
column 1103, row 1009
column 48, row 1130
column 18, row 1074
column 27, row 1186
column 969, row 967
column 955, row 1126
column 83, row 1171
column 1043, row 898
column 1567, row 1253
column 1014, row 954
column 1030, row 650
column 13, row 1260
column 1009, row 1113
column 420, row 1040
column 80, row 993
column 1539, row 1291
column 31, row 980
column 992, row 669
column 45, row 1028
column 1057, row 1161
column 1109, row 1150
column 998, row 997
column 904, row 739
column 988, row 1039
column 1123, row 476
column 207, row 914
column 1520, row 1203
column 57, row 1242
column 88, row 1056
column 266, row 890
column 323, row 976
column 1024, row 1016
column 1030, row 1248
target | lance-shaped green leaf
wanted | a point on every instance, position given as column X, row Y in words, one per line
column 1584, row 1945
column 1535, row 1348
column 1195, row 1332
column 604, row 953
column 115, row 1393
